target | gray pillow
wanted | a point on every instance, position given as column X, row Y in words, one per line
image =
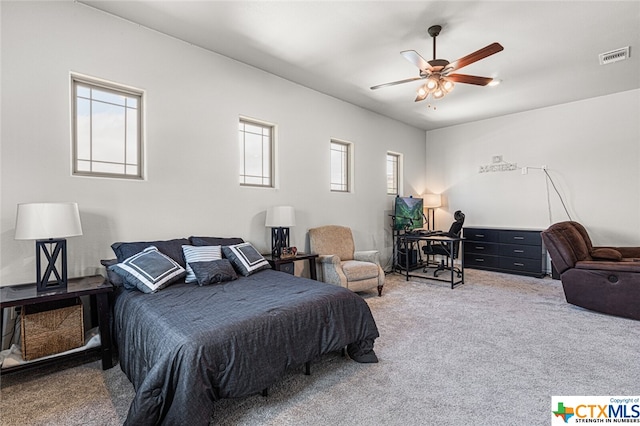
column 213, row 271
column 149, row 270
column 172, row 248
column 112, row 276
column 215, row 241
column 245, row 258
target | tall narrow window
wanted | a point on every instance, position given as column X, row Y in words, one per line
column 340, row 161
column 107, row 129
column 393, row 173
column 256, row 153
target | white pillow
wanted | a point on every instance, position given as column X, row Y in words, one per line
column 199, row 254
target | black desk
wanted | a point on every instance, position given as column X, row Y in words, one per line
column 407, row 240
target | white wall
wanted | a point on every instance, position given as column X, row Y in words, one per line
column 591, row 149
column 193, row 101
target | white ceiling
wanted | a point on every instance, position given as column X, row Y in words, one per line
column 342, row 48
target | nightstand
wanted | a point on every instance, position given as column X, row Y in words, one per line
column 94, row 286
column 287, row 265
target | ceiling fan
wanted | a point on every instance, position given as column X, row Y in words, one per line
column 439, row 72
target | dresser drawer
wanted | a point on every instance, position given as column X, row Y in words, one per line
column 476, row 247
column 482, row 235
column 481, row 261
column 532, row 238
column 520, row 264
column 521, row 251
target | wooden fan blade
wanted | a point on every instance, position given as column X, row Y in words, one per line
column 489, row 50
column 417, row 60
column 393, row 83
column 469, row 79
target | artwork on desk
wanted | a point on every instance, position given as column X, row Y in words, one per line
column 408, row 213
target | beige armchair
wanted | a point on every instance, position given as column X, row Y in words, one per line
column 341, row 264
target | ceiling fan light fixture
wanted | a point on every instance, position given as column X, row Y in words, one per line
column 447, row 85
column 422, row 90
column 432, row 83
column 438, row 94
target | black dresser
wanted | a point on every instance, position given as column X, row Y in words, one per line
column 515, row 251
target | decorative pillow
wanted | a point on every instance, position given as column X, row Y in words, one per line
column 215, row 241
column 172, row 248
column 199, row 254
column 113, row 278
column 149, row 270
column 605, row 253
column 245, row 258
column 215, row 271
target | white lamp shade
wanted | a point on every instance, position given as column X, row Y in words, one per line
column 40, row 221
column 280, row 217
column 432, row 200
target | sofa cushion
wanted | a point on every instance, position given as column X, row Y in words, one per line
column 566, row 245
column 355, row 270
column 245, row 258
column 172, row 248
column 199, row 254
column 605, row 253
column 212, row 272
column 148, row 271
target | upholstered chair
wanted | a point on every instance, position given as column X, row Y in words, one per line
column 603, row 279
column 341, row 264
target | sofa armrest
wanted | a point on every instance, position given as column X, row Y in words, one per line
column 609, row 266
column 628, row 252
column 332, row 270
column 367, row 256
column 329, row 258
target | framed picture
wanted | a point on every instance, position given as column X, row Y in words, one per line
column 288, row 252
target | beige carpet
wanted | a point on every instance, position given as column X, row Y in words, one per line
column 492, row 351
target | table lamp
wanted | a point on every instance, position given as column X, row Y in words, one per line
column 49, row 224
column 431, row 202
column 279, row 219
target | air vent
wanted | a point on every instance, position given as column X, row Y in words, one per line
column 614, row 56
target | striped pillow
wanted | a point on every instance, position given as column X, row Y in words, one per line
column 199, row 254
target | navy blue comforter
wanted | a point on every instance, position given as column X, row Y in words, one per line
column 186, row 346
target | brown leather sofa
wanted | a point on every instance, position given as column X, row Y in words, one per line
column 603, row 279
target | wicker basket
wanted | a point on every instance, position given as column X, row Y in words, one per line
column 51, row 329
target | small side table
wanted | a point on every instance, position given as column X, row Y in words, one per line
column 95, row 286
column 286, row 264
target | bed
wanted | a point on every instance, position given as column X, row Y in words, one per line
column 186, row 346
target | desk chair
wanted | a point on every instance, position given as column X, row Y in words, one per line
column 442, row 249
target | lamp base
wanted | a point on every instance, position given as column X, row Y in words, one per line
column 279, row 240
column 53, row 249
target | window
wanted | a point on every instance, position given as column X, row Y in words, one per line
column 107, row 129
column 393, row 173
column 256, row 153
column 340, row 166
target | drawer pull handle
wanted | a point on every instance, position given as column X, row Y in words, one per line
column 479, row 248
column 518, row 264
column 518, row 238
column 518, row 251
column 480, row 235
column 479, row 260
